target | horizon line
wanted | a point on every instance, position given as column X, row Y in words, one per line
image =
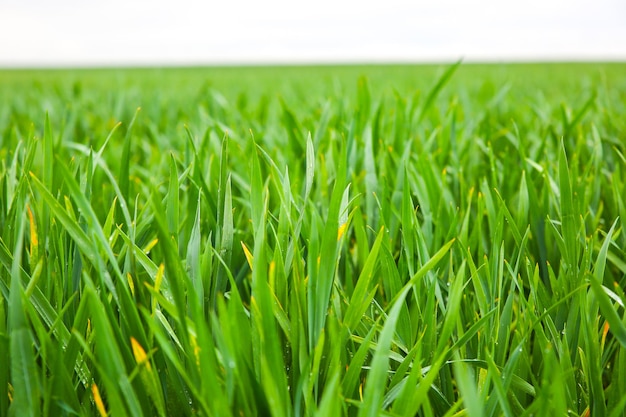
column 315, row 61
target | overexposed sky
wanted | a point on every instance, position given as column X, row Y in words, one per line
column 164, row 32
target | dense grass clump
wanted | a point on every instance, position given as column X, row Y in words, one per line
column 359, row 241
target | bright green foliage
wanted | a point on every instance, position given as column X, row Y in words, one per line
column 314, row 241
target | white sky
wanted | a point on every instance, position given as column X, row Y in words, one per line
column 143, row 32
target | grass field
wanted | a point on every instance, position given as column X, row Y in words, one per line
column 314, row 241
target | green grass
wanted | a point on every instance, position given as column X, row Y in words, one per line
column 314, row 241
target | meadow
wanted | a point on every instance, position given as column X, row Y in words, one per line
column 434, row 240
